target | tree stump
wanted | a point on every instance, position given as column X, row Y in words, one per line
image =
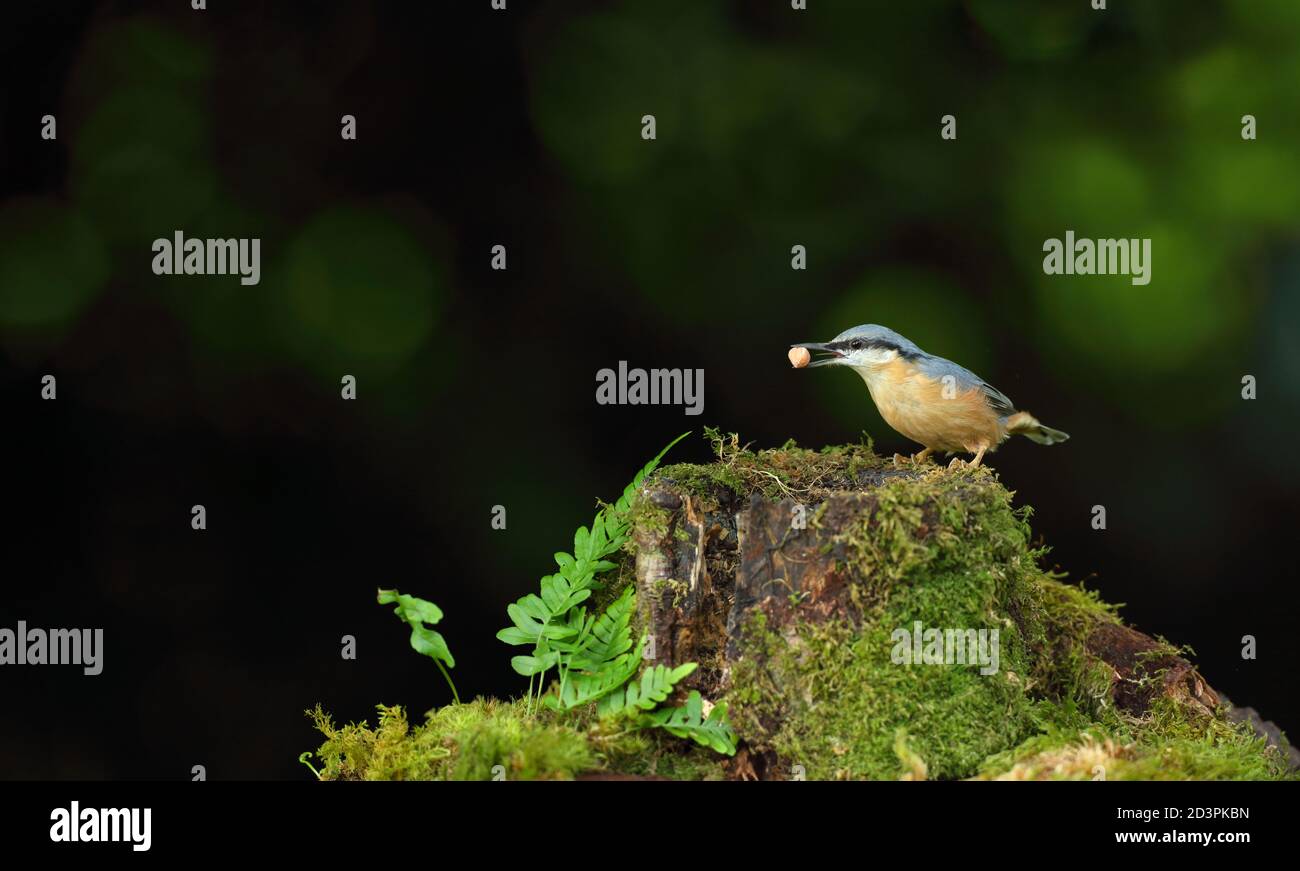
column 805, row 584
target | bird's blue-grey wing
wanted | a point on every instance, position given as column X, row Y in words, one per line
column 997, row 400
column 965, row 380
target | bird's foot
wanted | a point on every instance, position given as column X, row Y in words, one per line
column 974, row 462
column 915, row 459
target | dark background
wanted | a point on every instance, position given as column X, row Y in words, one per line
column 476, row 388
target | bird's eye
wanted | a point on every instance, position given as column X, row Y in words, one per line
column 856, row 344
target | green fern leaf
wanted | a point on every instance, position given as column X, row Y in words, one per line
column 655, row 686
column 531, row 665
column 610, row 635
column 584, row 688
column 687, row 721
column 416, row 613
column 591, row 654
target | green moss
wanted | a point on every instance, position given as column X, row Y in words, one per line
column 839, row 701
column 456, row 742
column 949, row 550
column 789, row 471
column 1063, row 669
column 945, row 550
column 615, row 581
column 1166, row 744
column 840, row 717
column 651, row 753
column 651, row 520
column 708, row 484
column 679, row 589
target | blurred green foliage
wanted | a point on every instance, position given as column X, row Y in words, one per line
column 823, row 129
column 774, row 128
column 141, row 135
column 52, row 263
column 361, row 283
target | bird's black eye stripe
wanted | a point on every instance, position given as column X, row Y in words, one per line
column 879, row 344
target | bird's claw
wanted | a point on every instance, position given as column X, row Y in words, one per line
column 957, row 463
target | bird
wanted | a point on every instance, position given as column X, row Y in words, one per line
column 930, row 400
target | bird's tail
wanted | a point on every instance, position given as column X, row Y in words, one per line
column 1025, row 424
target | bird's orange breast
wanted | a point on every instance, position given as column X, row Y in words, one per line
column 928, row 411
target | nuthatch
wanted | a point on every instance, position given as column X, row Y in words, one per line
column 930, row 400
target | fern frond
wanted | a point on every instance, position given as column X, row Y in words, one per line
column 531, row 665
column 655, row 686
column 687, row 721
column 416, row 612
column 610, row 635
column 588, row 652
column 582, row 688
column 578, row 626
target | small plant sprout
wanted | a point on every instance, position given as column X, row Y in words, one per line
column 416, row 613
column 305, row 759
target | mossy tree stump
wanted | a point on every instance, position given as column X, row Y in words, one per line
column 789, row 574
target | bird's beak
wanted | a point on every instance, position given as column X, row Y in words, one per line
column 823, row 354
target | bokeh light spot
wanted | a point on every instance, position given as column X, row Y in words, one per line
column 359, row 282
column 52, row 262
